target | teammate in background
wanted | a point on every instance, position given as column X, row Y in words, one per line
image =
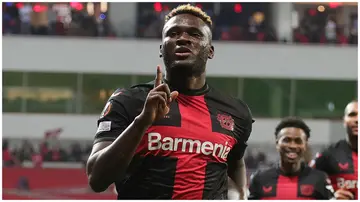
column 175, row 137
column 291, row 179
column 340, row 160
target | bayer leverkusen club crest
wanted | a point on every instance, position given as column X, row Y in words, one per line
column 226, row 121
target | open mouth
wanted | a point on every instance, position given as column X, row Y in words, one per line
column 291, row 155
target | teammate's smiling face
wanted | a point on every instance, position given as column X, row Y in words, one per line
column 186, row 43
column 291, row 144
column 351, row 118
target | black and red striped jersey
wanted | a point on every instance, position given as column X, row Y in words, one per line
column 185, row 155
column 273, row 184
column 340, row 162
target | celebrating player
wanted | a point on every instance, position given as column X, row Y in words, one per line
column 175, row 137
column 291, row 179
column 340, row 160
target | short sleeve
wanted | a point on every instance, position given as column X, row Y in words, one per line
column 326, row 189
column 320, row 162
column 242, row 132
column 253, row 187
column 114, row 118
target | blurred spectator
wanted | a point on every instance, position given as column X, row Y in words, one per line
column 76, row 153
column 37, row 159
column 330, row 30
column 8, row 159
column 250, row 160
column 39, row 19
column 26, row 151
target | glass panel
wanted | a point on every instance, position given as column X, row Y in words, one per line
column 323, row 98
column 225, row 84
column 11, row 101
column 50, row 92
column 97, row 89
column 145, row 78
column 267, row 97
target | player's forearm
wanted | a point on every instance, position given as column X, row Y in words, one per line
column 111, row 163
column 238, row 175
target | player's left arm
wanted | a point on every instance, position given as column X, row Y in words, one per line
column 237, row 172
column 236, row 163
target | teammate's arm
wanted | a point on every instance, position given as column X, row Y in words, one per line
column 108, row 160
column 320, row 162
column 253, row 188
column 326, row 189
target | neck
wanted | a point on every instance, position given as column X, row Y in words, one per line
column 180, row 82
column 290, row 168
column 353, row 142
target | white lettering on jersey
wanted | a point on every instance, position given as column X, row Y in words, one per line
column 104, row 126
column 346, row 184
column 155, row 142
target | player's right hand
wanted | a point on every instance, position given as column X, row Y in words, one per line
column 343, row 194
column 157, row 102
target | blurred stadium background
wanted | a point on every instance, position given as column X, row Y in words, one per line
column 61, row 61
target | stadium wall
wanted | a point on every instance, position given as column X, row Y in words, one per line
column 141, row 57
column 84, row 127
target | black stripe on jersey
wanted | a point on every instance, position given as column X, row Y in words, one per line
column 173, row 118
column 215, row 182
column 269, row 182
column 213, row 106
column 140, row 184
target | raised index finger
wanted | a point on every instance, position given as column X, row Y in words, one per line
column 158, row 77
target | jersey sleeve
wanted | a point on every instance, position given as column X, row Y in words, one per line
column 254, row 193
column 321, row 161
column 114, row 118
column 326, row 190
column 242, row 131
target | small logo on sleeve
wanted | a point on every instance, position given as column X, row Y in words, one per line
column 106, row 109
column 104, row 126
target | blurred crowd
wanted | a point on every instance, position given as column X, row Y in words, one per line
column 232, row 22
column 56, row 19
column 49, row 149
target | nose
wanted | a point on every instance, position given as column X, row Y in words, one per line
column 184, row 39
column 292, row 145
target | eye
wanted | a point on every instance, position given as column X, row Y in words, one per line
column 298, row 141
column 173, row 34
column 196, row 34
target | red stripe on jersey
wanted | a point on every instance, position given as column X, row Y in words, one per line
column 193, row 118
column 355, row 162
column 277, row 198
column 347, row 180
column 287, row 188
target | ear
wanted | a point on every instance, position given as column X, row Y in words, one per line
column 277, row 146
column 160, row 51
column 211, row 52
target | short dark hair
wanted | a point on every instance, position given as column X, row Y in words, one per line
column 294, row 122
column 192, row 10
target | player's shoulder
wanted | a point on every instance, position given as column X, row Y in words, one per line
column 265, row 173
column 130, row 94
column 335, row 147
column 232, row 104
